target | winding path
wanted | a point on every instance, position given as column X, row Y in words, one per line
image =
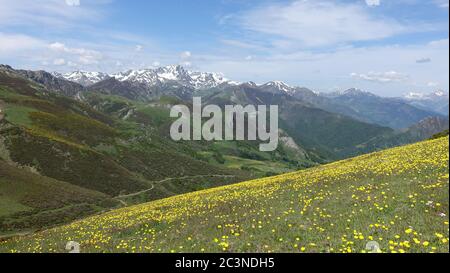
column 118, row 198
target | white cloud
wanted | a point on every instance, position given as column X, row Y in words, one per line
column 85, row 56
column 73, row 2
column 185, row 55
column 335, row 66
column 10, row 43
column 442, row 3
column 382, row 77
column 156, row 64
column 72, row 64
column 372, row 3
column 279, row 43
column 432, row 84
column 139, row 48
column 56, row 14
column 58, row 47
column 59, row 61
column 444, row 43
column 89, row 59
column 318, row 23
column 242, row 44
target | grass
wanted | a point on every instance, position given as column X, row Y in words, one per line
column 256, row 168
column 66, row 143
column 7, row 94
column 398, row 197
column 154, row 115
column 176, row 186
column 10, row 206
column 18, row 114
column 256, row 165
column 26, row 195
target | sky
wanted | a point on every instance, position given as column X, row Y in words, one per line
column 388, row 47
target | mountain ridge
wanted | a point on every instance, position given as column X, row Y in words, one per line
column 147, row 85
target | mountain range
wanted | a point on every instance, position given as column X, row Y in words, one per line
column 437, row 101
column 108, row 137
column 147, row 84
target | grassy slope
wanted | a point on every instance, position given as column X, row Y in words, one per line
column 398, row 197
column 25, row 194
column 156, row 116
column 70, row 141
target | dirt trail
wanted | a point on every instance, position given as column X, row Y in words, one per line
column 163, row 181
column 13, row 235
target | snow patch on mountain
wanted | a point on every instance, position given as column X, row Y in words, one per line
column 193, row 79
column 438, row 95
column 83, row 77
column 281, row 86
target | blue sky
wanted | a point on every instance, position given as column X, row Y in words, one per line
column 386, row 47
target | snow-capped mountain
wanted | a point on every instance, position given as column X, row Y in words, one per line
column 175, row 80
column 83, row 77
column 148, row 84
column 437, row 101
column 352, row 92
column 207, row 80
column 438, row 95
column 151, row 77
column 278, row 86
column 169, row 75
column 174, row 73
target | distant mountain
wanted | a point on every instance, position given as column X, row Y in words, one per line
column 175, row 81
column 437, row 101
column 324, row 102
column 422, row 130
column 323, row 134
column 277, row 87
column 148, row 81
column 149, row 84
column 391, row 112
column 127, row 89
column 174, row 73
column 357, row 104
column 428, row 127
column 82, row 77
column 47, row 80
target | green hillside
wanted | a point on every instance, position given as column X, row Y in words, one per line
column 93, row 148
column 398, row 198
column 96, row 149
column 29, row 201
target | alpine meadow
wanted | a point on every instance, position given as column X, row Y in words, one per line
column 224, row 136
